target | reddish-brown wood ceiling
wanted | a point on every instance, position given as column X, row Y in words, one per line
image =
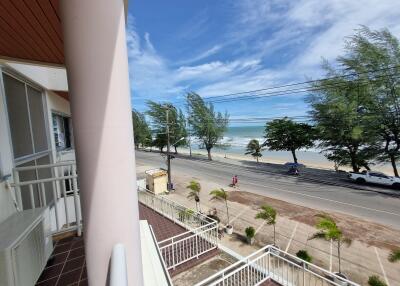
column 31, row 30
column 63, row 94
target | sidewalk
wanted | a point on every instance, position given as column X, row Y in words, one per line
column 359, row 260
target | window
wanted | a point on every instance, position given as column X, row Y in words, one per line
column 26, row 118
column 62, row 131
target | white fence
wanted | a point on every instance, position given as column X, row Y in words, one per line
column 201, row 235
column 272, row 263
column 59, row 191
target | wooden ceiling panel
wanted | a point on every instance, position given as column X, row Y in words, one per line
column 31, row 30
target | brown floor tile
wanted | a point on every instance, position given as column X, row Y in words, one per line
column 51, row 272
column 57, row 259
column 76, row 253
column 73, row 264
column 69, row 278
column 50, row 282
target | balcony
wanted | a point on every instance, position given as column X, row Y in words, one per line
column 179, row 238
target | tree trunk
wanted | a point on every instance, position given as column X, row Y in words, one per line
column 257, row 159
column 227, row 211
column 294, row 156
column 338, row 250
column 209, row 154
column 393, row 161
column 176, row 151
column 274, row 236
column 354, row 165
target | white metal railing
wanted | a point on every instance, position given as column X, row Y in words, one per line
column 165, row 269
column 118, row 272
column 272, row 263
column 201, row 235
column 56, row 188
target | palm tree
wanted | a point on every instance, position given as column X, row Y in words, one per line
column 254, row 149
column 194, row 193
column 329, row 230
column 268, row 214
column 221, row 195
column 395, row 255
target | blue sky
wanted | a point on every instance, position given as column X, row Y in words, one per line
column 221, row 47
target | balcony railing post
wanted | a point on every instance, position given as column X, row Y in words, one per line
column 76, row 202
column 304, row 275
column 173, row 252
column 17, row 190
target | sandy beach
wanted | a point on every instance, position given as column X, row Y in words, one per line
column 308, row 158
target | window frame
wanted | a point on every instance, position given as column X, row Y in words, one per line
column 23, row 79
column 71, row 136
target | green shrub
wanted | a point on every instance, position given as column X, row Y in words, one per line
column 395, row 255
column 250, row 232
column 303, row 254
column 375, row 281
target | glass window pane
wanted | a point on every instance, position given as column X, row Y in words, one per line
column 18, row 116
column 37, row 119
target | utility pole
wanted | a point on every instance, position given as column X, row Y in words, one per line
column 190, row 142
column 169, row 187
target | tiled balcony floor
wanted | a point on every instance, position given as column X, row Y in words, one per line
column 67, row 264
column 270, row 282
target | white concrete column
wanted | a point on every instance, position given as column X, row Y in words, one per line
column 97, row 69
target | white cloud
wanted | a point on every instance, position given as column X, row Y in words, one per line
column 299, row 33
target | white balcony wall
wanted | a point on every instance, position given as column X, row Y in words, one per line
column 52, row 78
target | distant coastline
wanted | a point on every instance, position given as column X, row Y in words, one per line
column 237, row 138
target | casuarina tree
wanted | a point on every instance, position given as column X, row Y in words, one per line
column 207, row 124
column 254, row 148
column 176, row 123
column 142, row 133
column 286, row 135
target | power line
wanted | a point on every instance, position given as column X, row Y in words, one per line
column 229, row 97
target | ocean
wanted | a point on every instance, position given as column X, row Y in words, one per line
column 236, row 139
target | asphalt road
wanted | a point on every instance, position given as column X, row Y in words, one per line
column 317, row 191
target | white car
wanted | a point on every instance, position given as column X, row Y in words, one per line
column 375, row 178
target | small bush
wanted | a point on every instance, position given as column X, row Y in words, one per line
column 303, row 254
column 375, row 281
column 250, row 232
column 395, row 255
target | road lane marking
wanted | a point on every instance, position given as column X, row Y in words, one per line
column 238, row 215
column 260, row 227
column 330, row 258
column 324, row 199
column 291, row 237
column 381, row 265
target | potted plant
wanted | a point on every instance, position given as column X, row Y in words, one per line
column 303, row 255
column 250, row 233
column 194, row 193
column 329, row 230
column 222, row 195
column 375, row 281
column 268, row 214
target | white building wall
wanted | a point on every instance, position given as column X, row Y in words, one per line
column 6, row 161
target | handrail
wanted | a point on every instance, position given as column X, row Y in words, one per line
column 118, row 272
column 269, row 251
column 208, row 219
column 195, row 231
column 166, row 272
column 59, row 190
column 59, row 164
